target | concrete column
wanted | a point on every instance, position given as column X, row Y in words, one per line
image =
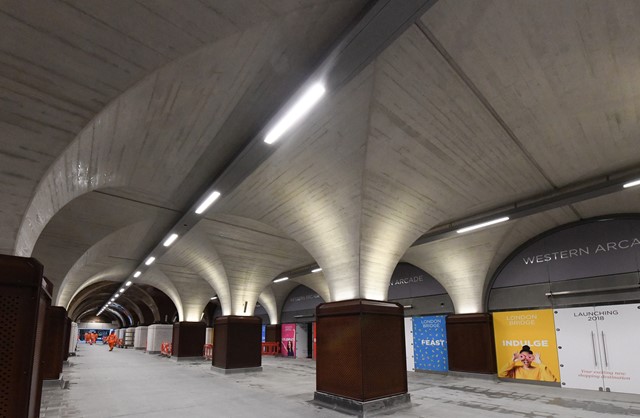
column 361, row 356
column 156, row 335
column 65, row 340
column 73, row 339
column 238, row 344
column 208, row 335
column 140, row 338
column 129, row 336
column 188, row 340
column 471, row 332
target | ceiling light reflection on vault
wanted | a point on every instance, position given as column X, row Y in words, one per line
column 297, row 112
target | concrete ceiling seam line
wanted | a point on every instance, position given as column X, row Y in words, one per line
column 373, row 26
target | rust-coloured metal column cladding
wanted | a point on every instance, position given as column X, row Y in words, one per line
column 67, row 337
column 360, row 349
column 273, row 334
column 53, row 343
column 471, row 344
column 238, row 342
column 188, row 339
column 24, row 297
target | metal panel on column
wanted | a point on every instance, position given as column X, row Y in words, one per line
column 471, row 333
column 188, row 340
column 53, row 345
column 361, row 355
column 24, row 297
column 238, row 344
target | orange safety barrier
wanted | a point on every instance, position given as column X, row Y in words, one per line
column 270, row 349
column 166, row 349
column 207, row 351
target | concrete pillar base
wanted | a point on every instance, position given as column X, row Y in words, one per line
column 220, row 370
column 55, row 383
column 385, row 406
column 184, row 358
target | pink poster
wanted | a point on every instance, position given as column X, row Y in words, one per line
column 288, row 340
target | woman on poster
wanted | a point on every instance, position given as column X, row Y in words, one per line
column 526, row 365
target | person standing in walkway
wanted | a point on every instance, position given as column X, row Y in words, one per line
column 112, row 339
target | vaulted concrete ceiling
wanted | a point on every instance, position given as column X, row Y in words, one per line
column 117, row 116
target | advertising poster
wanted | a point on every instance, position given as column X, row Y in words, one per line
column 526, row 345
column 599, row 347
column 288, row 348
column 430, row 343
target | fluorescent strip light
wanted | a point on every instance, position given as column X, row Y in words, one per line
column 316, row 270
column 214, row 298
column 150, row 261
column 170, row 240
column 281, row 279
column 297, row 111
column 137, row 274
column 631, row 184
column 128, row 283
column 122, row 290
column 207, row 202
column 113, row 299
column 482, row 225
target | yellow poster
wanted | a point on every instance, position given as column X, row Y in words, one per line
column 526, row 345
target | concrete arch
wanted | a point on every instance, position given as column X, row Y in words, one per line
column 156, row 278
column 268, row 300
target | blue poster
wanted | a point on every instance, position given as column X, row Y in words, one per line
column 264, row 332
column 430, row 343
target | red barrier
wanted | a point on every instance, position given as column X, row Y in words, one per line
column 270, row 349
column 207, row 351
column 166, row 349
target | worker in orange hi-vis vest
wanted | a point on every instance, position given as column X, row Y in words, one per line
column 112, row 339
column 87, row 337
column 94, row 337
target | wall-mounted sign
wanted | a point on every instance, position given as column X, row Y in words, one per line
column 430, row 343
column 594, row 248
column 301, row 298
column 408, row 281
column 526, row 345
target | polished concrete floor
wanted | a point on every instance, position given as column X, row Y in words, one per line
column 128, row 383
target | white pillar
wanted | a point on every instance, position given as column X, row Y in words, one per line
column 140, row 339
column 156, row 335
column 208, row 336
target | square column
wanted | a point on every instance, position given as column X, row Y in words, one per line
column 54, row 343
column 238, row 344
column 361, row 356
column 471, row 333
column 24, row 297
column 140, row 338
column 188, row 340
column 156, row 335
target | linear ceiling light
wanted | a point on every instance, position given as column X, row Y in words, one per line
column 281, row 279
column 122, row 290
column 113, row 299
column 150, row 261
column 631, row 184
column 316, row 270
column 482, row 225
column 128, row 283
column 170, row 240
column 214, row 298
column 297, row 111
column 137, row 274
column 207, row 202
